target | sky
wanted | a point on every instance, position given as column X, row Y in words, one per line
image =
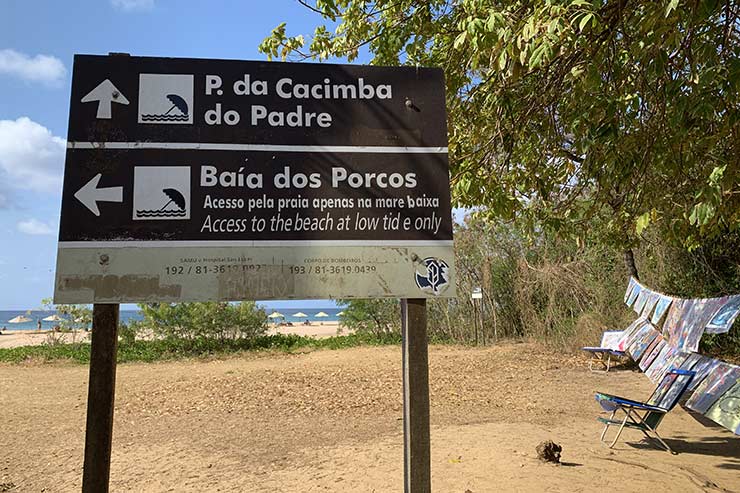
column 38, row 40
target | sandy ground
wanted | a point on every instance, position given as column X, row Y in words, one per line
column 16, row 338
column 331, row 421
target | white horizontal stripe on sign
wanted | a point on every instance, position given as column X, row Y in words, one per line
column 253, row 243
column 211, row 146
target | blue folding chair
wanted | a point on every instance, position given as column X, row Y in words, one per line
column 645, row 416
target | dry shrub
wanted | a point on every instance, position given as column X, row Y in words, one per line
column 588, row 330
column 551, row 297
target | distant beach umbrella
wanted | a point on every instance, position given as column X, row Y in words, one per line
column 53, row 318
column 340, row 314
column 321, row 314
column 177, row 102
column 276, row 315
column 300, row 315
column 20, row 319
column 175, row 196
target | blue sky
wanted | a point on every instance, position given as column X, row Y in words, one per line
column 37, row 42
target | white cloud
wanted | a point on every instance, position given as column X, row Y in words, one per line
column 41, row 68
column 34, row 227
column 133, row 5
column 31, row 157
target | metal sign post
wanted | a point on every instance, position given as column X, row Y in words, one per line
column 100, row 399
column 416, row 450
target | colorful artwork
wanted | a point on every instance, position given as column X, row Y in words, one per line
column 726, row 411
column 631, row 330
column 650, row 357
column 650, row 302
column 725, row 316
column 634, row 294
column 695, row 322
column 703, row 367
column 668, row 390
column 659, row 362
column 691, row 361
column 641, row 299
column 612, row 340
column 630, row 286
column 720, row 380
column 641, row 343
column 660, row 309
column 673, row 319
column 672, row 359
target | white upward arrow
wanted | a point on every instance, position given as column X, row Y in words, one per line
column 90, row 194
column 105, row 94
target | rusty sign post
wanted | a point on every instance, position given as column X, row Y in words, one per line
column 224, row 180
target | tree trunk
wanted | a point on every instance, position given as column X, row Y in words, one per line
column 629, row 261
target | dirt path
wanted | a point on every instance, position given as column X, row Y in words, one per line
column 331, row 421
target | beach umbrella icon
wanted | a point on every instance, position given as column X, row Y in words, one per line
column 177, row 102
column 300, row 315
column 174, row 196
column 321, row 315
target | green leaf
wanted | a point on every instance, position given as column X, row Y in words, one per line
column 642, row 222
column 585, row 20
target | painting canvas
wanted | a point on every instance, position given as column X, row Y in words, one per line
column 649, row 350
column 703, row 367
column 695, row 322
column 672, row 359
column 691, row 361
column 673, row 318
column 630, row 287
column 634, row 294
column 641, row 299
column 652, row 300
column 612, row 339
column 647, row 337
column 666, row 392
column 659, row 362
column 726, row 411
column 631, row 330
column 720, row 380
column 725, row 316
column 661, row 307
column 650, row 357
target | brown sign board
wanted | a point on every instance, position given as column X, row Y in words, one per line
column 196, row 180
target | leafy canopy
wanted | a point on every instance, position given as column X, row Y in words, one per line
column 565, row 114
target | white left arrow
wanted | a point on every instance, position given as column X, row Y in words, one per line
column 105, row 94
column 90, row 194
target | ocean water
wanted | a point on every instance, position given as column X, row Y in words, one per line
column 131, row 315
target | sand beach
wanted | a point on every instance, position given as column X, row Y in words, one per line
column 331, row 421
column 16, row 338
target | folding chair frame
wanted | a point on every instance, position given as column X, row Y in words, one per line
column 633, row 419
column 645, row 416
column 604, row 358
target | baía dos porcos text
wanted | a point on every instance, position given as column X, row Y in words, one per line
column 287, row 89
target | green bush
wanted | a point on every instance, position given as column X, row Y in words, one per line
column 207, row 321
